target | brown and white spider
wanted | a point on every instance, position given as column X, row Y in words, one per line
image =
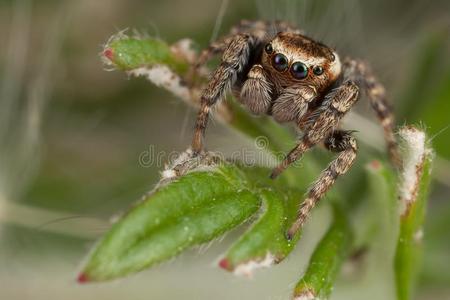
column 273, row 69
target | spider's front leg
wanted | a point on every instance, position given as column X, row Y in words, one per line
column 234, row 59
column 338, row 141
column 337, row 103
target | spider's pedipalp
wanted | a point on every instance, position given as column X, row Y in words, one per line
column 256, row 91
column 292, row 103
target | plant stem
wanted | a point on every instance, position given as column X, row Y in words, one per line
column 413, row 197
column 324, row 265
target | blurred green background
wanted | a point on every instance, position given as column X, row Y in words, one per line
column 71, row 135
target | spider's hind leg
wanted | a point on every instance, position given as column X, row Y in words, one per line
column 338, row 141
column 360, row 72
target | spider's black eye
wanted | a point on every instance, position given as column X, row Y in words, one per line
column 299, row 70
column 280, row 62
column 268, row 48
column 318, row 70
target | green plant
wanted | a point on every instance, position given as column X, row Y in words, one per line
column 199, row 199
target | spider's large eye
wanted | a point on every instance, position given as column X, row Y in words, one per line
column 280, row 62
column 268, row 48
column 299, row 70
column 318, row 70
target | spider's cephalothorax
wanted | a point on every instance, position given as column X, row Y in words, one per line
column 298, row 72
column 272, row 68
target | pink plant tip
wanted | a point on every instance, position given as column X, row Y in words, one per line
column 108, row 53
column 224, row 264
column 82, row 278
column 375, row 165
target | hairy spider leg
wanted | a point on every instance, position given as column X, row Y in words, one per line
column 234, row 59
column 336, row 104
column 338, row 141
column 360, row 72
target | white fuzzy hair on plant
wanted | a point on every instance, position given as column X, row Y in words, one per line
column 414, row 150
column 249, row 267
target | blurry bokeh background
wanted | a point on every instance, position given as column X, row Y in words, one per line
column 71, row 135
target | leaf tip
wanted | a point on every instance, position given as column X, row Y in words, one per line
column 305, row 295
column 247, row 269
column 374, row 165
column 225, row 264
column 82, row 278
column 108, row 53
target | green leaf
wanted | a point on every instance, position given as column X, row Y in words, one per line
column 265, row 243
column 325, row 263
column 190, row 210
column 416, row 179
column 129, row 53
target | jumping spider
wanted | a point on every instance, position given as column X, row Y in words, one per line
column 273, row 69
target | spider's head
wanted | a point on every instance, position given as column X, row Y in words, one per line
column 295, row 59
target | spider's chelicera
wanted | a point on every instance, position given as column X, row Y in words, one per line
column 273, row 69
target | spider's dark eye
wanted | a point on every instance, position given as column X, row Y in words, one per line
column 299, row 70
column 318, row 70
column 268, row 48
column 280, row 62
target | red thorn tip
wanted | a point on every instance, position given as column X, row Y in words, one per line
column 224, row 264
column 82, row 278
column 108, row 53
column 375, row 164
